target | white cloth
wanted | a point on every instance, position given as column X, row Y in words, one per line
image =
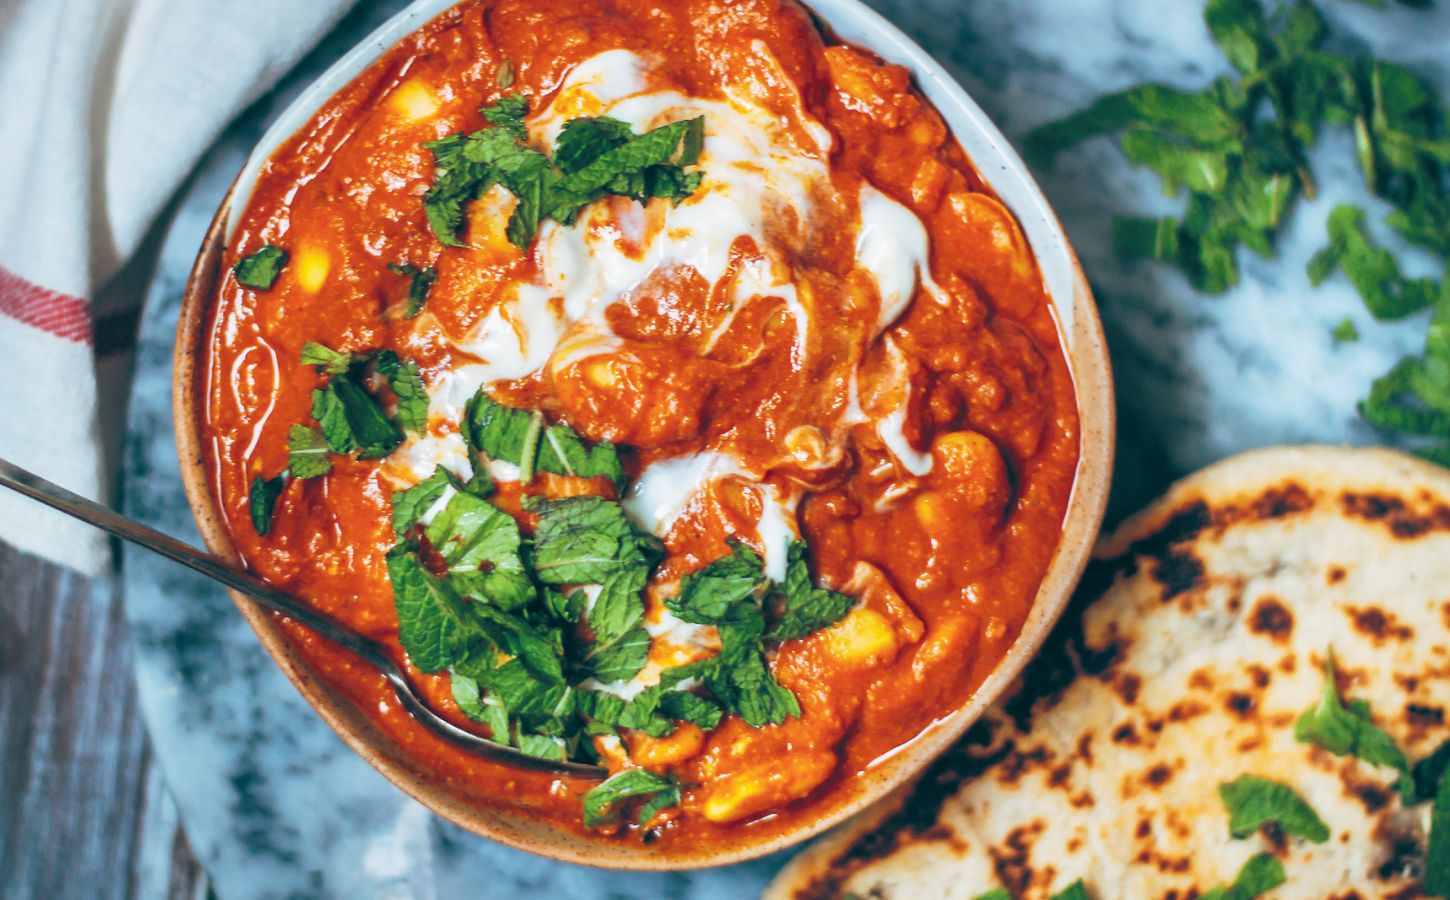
column 108, row 105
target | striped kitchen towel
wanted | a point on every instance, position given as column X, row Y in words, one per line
column 108, row 105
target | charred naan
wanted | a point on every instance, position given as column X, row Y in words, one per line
column 1199, row 636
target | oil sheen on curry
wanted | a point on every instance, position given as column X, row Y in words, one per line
column 662, row 383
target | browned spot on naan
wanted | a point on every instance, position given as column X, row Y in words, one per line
column 1241, row 704
column 1271, row 618
column 1378, row 624
column 1013, row 857
column 1127, row 687
column 1402, row 521
column 1360, row 784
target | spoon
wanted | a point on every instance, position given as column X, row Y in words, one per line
column 57, row 497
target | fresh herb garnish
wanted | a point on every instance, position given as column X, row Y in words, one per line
column 1376, row 276
column 1350, row 731
column 531, row 628
column 601, row 804
column 420, row 282
column 621, row 644
column 1428, row 771
column 586, row 540
column 520, row 437
column 995, row 894
column 1253, row 801
column 327, row 360
column 260, row 270
column 1346, row 332
column 349, row 417
column 595, row 159
column 352, row 421
column 431, row 616
column 308, row 455
column 262, row 500
column 1075, row 891
column 1261, row 874
column 1240, row 146
column 407, row 383
column 1437, row 853
column 808, row 608
column 409, row 505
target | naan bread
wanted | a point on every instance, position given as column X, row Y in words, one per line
column 1198, row 637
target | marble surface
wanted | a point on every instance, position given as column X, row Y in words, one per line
column 275, row 804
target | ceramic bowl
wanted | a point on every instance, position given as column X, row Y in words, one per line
column 1082, row 336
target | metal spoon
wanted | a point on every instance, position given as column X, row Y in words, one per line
column 57, row 497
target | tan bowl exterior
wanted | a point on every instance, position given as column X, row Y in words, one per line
column 1093, row 380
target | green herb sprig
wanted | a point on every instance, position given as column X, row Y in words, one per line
column 349, row 419
column 593, row 158
column 532, row 627
column 1239, row 149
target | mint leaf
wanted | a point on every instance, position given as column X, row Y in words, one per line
column 595, row 157
column 995, row 894
column 739, row 677
column 543, row 746
column 369, row 430
column 601, row 804
column 332, row 420
column 508, row 114
column 567, row 608
column 584, row 140
column 654, row 147
column 430, row 614
column 1370, row 268
column 585, row 540
column 407, row 383
column 808, row 608
column 622, row 657
column 619, row 606
column 307, row 452
column 692, row 708
column 260, row 270
column 1074, row 891
column 1428, row 772
column 1349, row 731
column 708, row 595
column 499, row 432
column 526, row 695
column 1437, row 852
column 420, row 282
column 470, row 533
column 563, row 452
column 327, row 360
column 1259, row 875
column 262, row 500
column 1253, row 801
column 457, row 183
column 409, row 505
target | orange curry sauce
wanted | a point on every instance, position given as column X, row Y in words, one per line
column 946, row 563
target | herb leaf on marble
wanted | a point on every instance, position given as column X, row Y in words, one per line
column 1239, row 149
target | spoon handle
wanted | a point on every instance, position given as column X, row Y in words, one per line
column 57, row 497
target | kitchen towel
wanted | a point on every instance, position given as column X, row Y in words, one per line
column 108, row 106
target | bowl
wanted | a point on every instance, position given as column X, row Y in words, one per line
column 1081, row 334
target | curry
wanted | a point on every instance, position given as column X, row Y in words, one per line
column 662, row 382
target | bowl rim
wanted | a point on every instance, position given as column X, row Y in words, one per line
column 1084, row 346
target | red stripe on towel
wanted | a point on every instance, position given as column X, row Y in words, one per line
column 55, row 313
